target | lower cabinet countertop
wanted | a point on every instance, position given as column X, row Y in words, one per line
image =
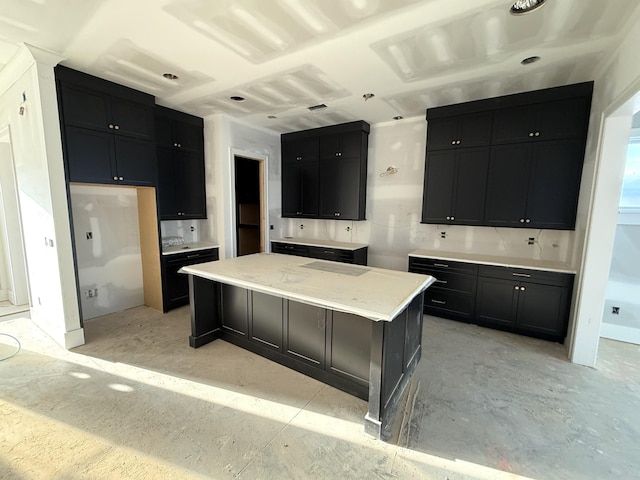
column 188, row 247
column 511, row 262
column 374, row 293
column 312, row 242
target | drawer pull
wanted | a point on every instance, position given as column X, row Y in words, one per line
column 443, row 265
column 442, row 281
column 526, row 275
column 329, row 252
column 193, row 256
column 440, row 302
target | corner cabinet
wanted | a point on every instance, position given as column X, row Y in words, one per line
column 528, row 174
column 108, row 134
column 519, row 300
column 181, row 171
column 324, row 172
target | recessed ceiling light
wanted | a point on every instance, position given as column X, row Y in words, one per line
column 367, row 96
column 237, row 98
column 520, row 7
column 398, row 117
column 170, row 76
column 529, row 60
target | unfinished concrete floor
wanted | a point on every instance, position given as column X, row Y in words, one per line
column 137, row 402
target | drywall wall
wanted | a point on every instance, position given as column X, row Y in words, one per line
column 225, row 137
column 107, row 239
column 394, row 209
column 616, row 84
column 189, row 230
column 28, row 79
column 5, row 285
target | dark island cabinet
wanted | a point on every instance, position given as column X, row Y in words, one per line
column 357, row 256
column 175, row 286
column 473, row 130
column 455, row 186
column 181, row 170
column 108, row 134
column 534, row 185
column 524, row 301
column 324, row 172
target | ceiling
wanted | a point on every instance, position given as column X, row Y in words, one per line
column 283, row 56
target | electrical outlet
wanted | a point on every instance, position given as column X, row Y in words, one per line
column 443, row 234
column 89, row 235
column 270, row 227
column 301, row 227
column 193, row 229
column 531, row 241
column 615, row 310
column 91, row 293
column 348, row 229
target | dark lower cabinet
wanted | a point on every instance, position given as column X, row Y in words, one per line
column 357, row 256
column 305, row 332
column 530, row 302
column 175, row 286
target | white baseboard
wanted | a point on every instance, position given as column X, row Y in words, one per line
column 620, row 333
column 4, row 295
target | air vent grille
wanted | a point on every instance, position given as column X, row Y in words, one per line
column 320, row 106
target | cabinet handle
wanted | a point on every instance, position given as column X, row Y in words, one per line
column 453, row 218
column 441, row 302
column 531, row 134
column 175, row 144
column 522, row 220
column 453, row 142
column 120, row 178
column 443, row 265
column 448, row 218
column 115, row 178
column 537, row 134
column 522, row 289
column 298, row 158
column 525, row 275
column 298, row 213
column 117, row 127
column 193, row 256
column 329, row 252
column 179, row 145
column 111, row 125
column 337, row 214
column 516, row 287
column 457, row 142
column 528, row 220
column 444, row 282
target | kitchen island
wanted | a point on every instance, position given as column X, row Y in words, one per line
column 356, row 328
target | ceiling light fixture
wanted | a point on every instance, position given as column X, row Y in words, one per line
column 237, row 98
column 520, row 7
column 170, row 76
column 530, row 60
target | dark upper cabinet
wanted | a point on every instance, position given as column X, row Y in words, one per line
column 470, row 130
column 178, row 130
column 539, row 122
column 108, row 131
column 300, row 150
column 455, row 186
column 95, row 110
column 534, row 185
column 324, row 172
column 181, row 171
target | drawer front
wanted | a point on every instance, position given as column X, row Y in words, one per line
column 419, row 265
column 457, row 282
column 191, row 258
column 335, row 254
column 290, row 249
column 439, row 302
column 526, row 275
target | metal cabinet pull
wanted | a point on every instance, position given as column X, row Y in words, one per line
column 175, row 144
column 120, row 178
column 444, row 282
column 537, row 134
column 522, row 289
column 117, row 127
column 453, row 142
column 193, row 256
column 528, row 220
column 115, row 178
column 516, row 287
column 337, row 214
column 526, row 275
column 522, row 220
column 441, row 302
column 457, row 142
column 448, row 218
column 453, row 218
column 531, row 134
column 441, row 265
column 329, row 252
column 110, row 125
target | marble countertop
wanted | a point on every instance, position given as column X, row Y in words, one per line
column 188, row 247
column 374, row 293
column 513, row 262
column 312, row 242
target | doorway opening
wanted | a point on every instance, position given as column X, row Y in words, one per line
column 14, row 285
column 249, row 205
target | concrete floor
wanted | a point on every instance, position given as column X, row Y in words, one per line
column 137, row 402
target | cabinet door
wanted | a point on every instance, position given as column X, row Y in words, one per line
column 305, row 149
column 496, row 302
column 562, row 119
column 164, row 131
column 305, row 333
column 86, row 108
column 543, row 310
column 340, row 189
column 442, row 133
column 266, row 319
column 515, row 124
column 90, row 156
column 309, row 186
column 291, row 189
column 554, row 184
column 507, row 185
column 330, row 146
column 167, row 200
column 472, row 166
column 188, row 137
column 475, row 129
column 190, row 185
column 176, row 287
column 136, row 161
column 329, row 189
column 438, row 186
column 132, row 119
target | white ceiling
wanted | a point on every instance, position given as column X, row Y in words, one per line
column 286, row 55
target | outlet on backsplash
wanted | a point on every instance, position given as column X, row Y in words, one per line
column 301, row 227
column 443, row 234
column 531, row 240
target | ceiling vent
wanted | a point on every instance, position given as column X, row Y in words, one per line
column 320, row 106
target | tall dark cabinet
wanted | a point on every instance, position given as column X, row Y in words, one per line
column 512, row 161
column 324, row 172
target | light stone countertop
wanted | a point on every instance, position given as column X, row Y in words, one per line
column 512, row 262
column 312, row 242
column 188, row 247
column 374, row 293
